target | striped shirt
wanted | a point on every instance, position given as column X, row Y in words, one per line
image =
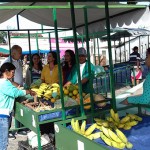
column 134, row 57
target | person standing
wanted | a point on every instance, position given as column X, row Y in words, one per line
column 68, row 64
column 136, row 72
column 8, row 93
column 49, row 73
column 33, row 72
column 15, row 58
column 84, row 73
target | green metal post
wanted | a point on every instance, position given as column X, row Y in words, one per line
column 115, row 51
column 37, row 43
column 129, row 47
column 94, row 49
column 59, row 67
column 98, row 51
column 89, row 63
column 124, row 48
column 113, row 102
column 50, row 44
column 120, row 51
column 76, row 56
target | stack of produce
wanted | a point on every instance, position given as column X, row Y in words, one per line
column 87, row 99
column 83, row 131
column 115, row 139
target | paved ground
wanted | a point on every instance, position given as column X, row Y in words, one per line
column 13, row 143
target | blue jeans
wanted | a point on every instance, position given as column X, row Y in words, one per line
column 4, row 127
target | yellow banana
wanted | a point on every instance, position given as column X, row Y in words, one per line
column 120, row 125
column 83, row 125
column 96, row 135
column 105, row 131
column 132, row 123
column 90, row 129
column 135, row 117
column 118, row 145
column 126, row 127
column 77, row 127
column 105, row 139
column 113, row 136
column 55, row 85
column 121, row 136
column 73, row 124
column 125, row 119
column 112, row 113
column 116, row 117
column 129, row 145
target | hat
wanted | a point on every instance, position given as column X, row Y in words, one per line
column 81, row 51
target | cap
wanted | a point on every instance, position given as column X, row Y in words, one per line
column 81, row 51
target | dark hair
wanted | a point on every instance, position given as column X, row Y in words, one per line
column 71, row 53
column 40, row 67
column 135, row 48
column 54, row 56
column 148, row 51
column 6, row 67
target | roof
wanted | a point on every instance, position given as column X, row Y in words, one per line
column 42, row 12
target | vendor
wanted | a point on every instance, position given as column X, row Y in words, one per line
column 49, row 73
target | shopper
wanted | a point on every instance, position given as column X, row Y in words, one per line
column 50, row 71
column 136, row 72
column 68, row 64
column 84, row 72
column 8, row 93
column 145, row 97
column 15, row 58
column 33, row 72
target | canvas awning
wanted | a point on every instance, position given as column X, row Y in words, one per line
column 96, row 16
column 119, row 33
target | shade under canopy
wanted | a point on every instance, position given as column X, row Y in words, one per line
column 96, row 16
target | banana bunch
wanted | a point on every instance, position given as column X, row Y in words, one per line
column 126, row 122
column 115, row 139
column 83, row 131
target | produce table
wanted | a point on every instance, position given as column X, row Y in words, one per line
column 138, row 136
column 33, row 120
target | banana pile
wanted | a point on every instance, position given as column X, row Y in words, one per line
column 47, row 91
column 115, row 139
column 83, row 131
column 125, row 123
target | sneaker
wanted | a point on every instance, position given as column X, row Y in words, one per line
column 12, row 136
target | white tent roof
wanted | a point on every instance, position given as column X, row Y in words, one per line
column 96, row 16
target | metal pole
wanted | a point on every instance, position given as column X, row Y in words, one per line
column 59, row 67
column 112, row 85
column 76, row 56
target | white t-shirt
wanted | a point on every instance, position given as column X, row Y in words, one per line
column 81, row 69
column 18, row 78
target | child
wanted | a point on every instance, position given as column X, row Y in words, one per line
column 8, row 93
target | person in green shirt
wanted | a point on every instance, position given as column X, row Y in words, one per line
column 84, row 73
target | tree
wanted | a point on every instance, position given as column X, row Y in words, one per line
column 3, row 37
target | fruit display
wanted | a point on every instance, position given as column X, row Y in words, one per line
column 83, row 131
column 115, row 138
